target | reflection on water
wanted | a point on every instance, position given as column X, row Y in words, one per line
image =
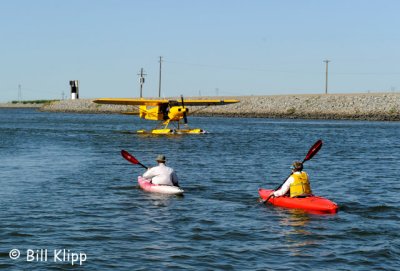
column 296, row 233
column 295, row 218
column 162, row 200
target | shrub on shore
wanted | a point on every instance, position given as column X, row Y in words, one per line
column 34, row 102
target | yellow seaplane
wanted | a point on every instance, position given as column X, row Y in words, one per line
column 165, row 111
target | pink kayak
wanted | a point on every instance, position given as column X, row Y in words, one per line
column 146, row 185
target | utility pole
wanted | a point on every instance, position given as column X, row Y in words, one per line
column 326, row 75
column 141, row 81
column 159, row 80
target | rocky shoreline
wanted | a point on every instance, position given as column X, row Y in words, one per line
column 366, row 106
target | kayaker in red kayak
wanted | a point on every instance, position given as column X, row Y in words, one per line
column 162, row 174
column 297, row 185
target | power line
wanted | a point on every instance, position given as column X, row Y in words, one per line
column 277, row 71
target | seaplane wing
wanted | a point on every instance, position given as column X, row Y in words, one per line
column 131, row 101
column 158, row 102
column 201, row 102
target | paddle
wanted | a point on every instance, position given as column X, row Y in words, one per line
column 131, row 158
column 313, row 150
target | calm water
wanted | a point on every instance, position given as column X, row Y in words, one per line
column 64, row 185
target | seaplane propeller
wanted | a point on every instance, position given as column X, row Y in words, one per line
column 175, row 111
column 184, row 111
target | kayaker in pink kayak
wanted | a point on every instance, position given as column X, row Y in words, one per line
column 161, row 174
column 297, row 185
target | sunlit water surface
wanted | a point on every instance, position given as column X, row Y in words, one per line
column 64, row 185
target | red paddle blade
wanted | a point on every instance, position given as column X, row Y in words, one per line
column 129, row 157
column 313, row 150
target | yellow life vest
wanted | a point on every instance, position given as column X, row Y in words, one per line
column 300, row 186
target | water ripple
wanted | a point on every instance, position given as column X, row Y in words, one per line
column 64, row 185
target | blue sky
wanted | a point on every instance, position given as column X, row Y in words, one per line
column 224, row 47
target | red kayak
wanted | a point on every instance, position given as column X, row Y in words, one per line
column 313, row 203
